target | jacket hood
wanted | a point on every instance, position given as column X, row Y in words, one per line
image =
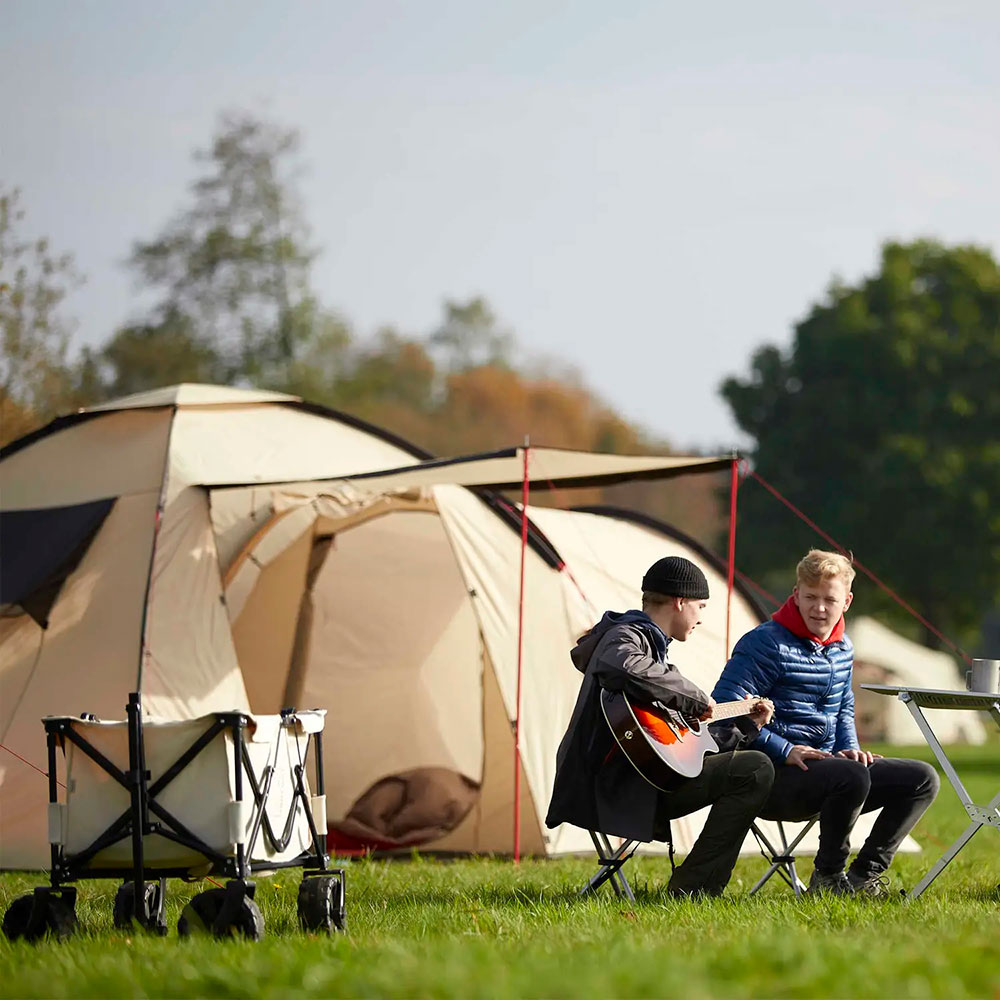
column 587, row 643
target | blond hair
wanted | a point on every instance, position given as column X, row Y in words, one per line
column 818, row 565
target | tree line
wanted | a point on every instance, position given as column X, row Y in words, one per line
column 881, row 420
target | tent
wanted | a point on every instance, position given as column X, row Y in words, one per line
column 216, row 548
column 881, row 656
column 129, row 532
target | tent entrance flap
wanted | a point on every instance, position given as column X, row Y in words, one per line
column 41, row 548
column 368, row 615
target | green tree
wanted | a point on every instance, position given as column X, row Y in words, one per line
column 165, row 352
column 882, row 423
column 231, row 270
column 35, row 382
column 469, row 336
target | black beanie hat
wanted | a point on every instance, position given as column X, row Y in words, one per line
column 675, row 576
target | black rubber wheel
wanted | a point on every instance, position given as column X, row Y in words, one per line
column 15, row 920
column 200, row 914
column 321, row 904
column 340, row 912
column 149, row 917
column 61, row 918
column 58, row 919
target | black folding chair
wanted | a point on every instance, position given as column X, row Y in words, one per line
column 781, row 861
column 610, row 862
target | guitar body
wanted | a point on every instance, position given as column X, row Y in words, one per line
column 664, row 746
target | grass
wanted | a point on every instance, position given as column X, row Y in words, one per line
column 485, row 928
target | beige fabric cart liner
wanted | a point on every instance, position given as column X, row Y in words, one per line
column 202, row 797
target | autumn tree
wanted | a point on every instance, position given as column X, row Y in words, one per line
column 881, row 422
column 35, row 382
column 231, row 271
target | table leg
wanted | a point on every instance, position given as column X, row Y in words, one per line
column 978, row 815
column 938, row 751
column 967, row 835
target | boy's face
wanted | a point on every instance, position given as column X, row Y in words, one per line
column 686, row 618
column 822, row 603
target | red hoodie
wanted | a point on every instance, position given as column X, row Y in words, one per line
column 790, row 616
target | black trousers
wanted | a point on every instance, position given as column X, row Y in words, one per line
column 839, row 791
column 735, row 785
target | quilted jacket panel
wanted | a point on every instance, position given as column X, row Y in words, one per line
column 810, row 685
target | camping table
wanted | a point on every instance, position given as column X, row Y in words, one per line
column 916, row 699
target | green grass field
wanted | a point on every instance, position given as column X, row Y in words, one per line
column 485, row 928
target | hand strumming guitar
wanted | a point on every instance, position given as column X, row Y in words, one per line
column 709, row 712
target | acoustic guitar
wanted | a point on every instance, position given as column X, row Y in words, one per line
column 664, row 745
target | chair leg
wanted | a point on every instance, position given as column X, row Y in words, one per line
column 783, row 861
column 611, row 861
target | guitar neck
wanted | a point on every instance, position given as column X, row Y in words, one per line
column 732, row 709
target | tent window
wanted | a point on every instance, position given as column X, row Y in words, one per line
column 40, row 548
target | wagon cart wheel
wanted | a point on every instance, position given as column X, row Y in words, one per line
column 202, row 913
column 15, row 920
column 151, row 915
column 321, row 903
column 32, row 916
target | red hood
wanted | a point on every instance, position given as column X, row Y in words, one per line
column 790, row 616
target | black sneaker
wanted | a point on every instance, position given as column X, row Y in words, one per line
column 835, row 883
column 874, row 885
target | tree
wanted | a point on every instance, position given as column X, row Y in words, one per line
column 469, row 336
column 34, row 380
column 881, row 422
column 165, row 352
column 232, row 270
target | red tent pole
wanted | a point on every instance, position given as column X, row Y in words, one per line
column 520, row 660
column 733, row 487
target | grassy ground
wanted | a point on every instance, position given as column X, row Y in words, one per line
column 484, row 928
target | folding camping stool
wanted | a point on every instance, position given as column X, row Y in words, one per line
column 781, row 862
column 611, row 861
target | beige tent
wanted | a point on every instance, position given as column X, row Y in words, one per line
column 218, row 549
column 881, row 656
column 143, row 555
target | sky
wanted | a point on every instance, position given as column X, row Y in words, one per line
column 644, row 192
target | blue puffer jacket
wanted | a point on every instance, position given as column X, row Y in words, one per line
column 810, row 685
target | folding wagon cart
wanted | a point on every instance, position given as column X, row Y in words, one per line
column 226, row 794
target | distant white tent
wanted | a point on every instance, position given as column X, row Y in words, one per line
column 881, row 656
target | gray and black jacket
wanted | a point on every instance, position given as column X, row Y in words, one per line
column 596, row 788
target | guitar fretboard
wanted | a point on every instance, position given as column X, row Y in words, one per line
column 732, row 709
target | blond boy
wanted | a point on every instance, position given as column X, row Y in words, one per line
column 802, row 661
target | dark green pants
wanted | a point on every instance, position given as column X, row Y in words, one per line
column 735, row 785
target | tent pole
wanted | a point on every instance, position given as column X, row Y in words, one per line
column 520, row 659
column 731, row 567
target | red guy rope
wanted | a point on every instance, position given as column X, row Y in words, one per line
column 864, row 569
column 520, row 660
column 734, row 483
column 28, row 762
